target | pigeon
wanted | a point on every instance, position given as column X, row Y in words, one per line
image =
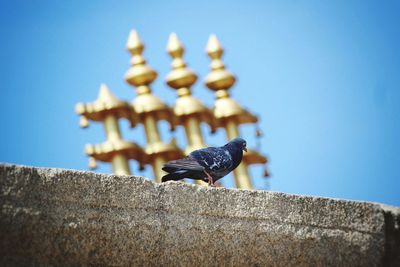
column 208, row 164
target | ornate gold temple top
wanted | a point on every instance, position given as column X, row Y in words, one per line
column 150, row 108
column 147, row 109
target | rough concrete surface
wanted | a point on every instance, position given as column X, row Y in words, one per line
column 71, row 218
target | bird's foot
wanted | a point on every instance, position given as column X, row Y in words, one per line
column 210, row 179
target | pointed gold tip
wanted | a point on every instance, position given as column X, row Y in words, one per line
column 105, row 95
column 134, row 41
column 104, row 92
column 219, row 79
column 174, row 44
column 213, row 44
column 103, row 87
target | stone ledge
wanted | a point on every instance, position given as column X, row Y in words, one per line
column 67, row 217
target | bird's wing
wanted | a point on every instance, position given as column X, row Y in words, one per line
column 214, row 159
column 187, row 163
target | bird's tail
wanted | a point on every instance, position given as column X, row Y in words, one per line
column 175, row 176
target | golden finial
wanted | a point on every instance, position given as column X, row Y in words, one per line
column 227, row 111
column 107, row 109
column 140, row 74
column 106, row 98
column 150, row 109
column 188, row 109
column 214, row 48
column 105, row 94
column 219, row 78
column 105, row 104
column 174, row 46
column 181, row 77
column 134, row 44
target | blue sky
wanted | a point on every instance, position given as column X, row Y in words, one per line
column 323, row 76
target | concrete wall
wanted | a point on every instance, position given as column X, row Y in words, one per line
column 66, row 217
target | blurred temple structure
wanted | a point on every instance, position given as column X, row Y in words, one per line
column 148, row 109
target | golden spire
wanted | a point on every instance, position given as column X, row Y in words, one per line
column 140, row 74
column 150, row 109
column 188, row 109
column 180, row 77
column 219, row 79
column 108, row 109
column 227, row 111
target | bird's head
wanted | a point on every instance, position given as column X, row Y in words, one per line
column 239, row 142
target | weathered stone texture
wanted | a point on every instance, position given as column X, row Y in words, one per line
column 66, row 217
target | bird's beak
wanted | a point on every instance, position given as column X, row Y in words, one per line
column 245, row 149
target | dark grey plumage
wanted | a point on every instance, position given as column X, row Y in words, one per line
column 208, row 164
